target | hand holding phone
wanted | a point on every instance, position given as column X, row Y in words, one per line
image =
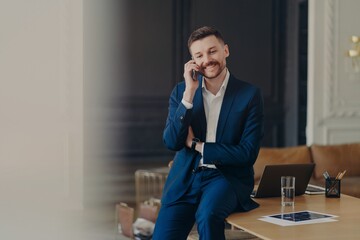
column 191, row 71
column 195, row 75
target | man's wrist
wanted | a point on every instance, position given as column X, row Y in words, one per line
column 199, row 147
column 188, row 95
column 194, row 143
column 187, row 104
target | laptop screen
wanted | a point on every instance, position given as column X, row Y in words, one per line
column 269, row 185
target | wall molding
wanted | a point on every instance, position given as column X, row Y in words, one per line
column 332, row 103
column 341, row 134
column 335, row 105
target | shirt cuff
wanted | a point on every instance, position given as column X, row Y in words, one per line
column 187, row 104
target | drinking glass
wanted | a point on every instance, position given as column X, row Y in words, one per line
column 287, row 190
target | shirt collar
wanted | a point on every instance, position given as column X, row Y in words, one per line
column 223, row 85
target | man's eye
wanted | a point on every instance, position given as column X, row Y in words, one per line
column 212, row 52
column 198, row 57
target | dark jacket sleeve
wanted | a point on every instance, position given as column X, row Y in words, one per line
column 177, row 122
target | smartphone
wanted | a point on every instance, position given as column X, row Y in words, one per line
column 194, row 75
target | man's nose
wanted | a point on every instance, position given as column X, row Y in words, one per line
column 207, row 59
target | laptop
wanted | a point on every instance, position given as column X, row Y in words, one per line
column 269, row 185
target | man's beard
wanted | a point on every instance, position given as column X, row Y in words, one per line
column 213, row 63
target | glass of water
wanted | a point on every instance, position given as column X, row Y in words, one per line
column 287, row 190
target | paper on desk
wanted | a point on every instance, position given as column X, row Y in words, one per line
column 298, row 218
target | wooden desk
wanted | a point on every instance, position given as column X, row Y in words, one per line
column 346, row 208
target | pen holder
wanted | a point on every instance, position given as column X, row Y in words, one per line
column 332, row 188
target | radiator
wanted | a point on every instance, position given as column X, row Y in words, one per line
column 149, row 183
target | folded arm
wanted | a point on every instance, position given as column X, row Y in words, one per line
column 243, row 153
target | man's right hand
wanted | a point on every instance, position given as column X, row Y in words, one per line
column 191, row 84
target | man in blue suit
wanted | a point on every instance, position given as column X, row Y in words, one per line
column 215, row 125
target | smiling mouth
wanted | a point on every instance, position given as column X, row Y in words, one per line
column 210, row 67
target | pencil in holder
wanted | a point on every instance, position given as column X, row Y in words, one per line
column 332, row 188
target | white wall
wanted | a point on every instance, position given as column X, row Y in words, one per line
column 41, row 114
column 333, row 85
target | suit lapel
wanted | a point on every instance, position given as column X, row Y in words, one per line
column 229, row 97
column 199, row 121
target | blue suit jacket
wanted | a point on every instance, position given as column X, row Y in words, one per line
column 238, row 137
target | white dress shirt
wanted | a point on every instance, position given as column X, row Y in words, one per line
column 212, row 107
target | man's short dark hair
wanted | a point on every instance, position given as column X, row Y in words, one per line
column 204, row 32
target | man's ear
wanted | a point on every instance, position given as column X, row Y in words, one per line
column 226, row 50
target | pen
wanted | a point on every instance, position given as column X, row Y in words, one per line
column 339, row 176
column 326, row 175
column 342, row 175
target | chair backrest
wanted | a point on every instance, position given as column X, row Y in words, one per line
column 336, row 158
column 288, row 155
